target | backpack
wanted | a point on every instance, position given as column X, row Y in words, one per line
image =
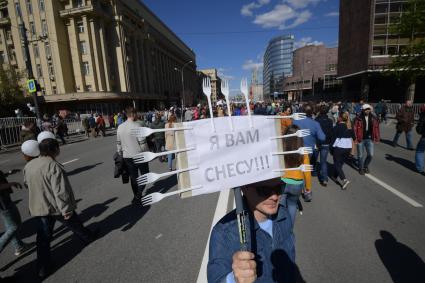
column 420, row 127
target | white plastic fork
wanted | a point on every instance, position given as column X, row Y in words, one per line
column 303, row 167
column 301, row 151
column 148, row 156
column 206, row 88
column 299, row 133
column 244, row 90
column 156, row 197
column 295, row 116
column 150, row 178
column 225, row 91
column 145, row 132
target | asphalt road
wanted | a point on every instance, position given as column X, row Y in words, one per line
column 367, row 233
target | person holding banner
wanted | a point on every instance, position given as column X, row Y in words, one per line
column 296, row 181
column 271, row 240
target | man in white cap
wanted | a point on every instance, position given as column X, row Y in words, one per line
column 366, row 128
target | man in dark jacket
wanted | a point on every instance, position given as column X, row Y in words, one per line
column 326, row 125
column 405, row 121
column 366, row 128
column 420, row 148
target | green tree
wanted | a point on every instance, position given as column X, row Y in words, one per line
column 409, row 64
column 11, row 92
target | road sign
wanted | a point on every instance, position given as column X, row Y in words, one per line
column 32, row 86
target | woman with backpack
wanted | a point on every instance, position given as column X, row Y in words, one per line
column 342, row 143
column 420, row 148
column 295, row 181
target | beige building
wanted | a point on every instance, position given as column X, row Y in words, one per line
column 215, row 83
column 87, row 53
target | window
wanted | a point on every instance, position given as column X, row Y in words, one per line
column 36, row 52
column 86, row 68
column 80, row 26
column 48, row 51
column 39, row 71
column 2, row 57
column 51, row 70
column 54, row 90
column 78, row 3
column 41, row 5
column 381, row 8
column 378, row 50
column 9, row 35
column 29, row 7
column 83, row 47
column 18, row 10
column 21, row 31
column 32, row 28
column 89, row 88
column 44, row 27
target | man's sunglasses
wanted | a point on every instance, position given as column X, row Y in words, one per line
column 268, row 191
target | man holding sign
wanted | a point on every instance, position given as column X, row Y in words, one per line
column 271, row 240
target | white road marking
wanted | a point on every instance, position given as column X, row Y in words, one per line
column 220, row 211
column 159, row 236
column 394, row 191
column 73, row 160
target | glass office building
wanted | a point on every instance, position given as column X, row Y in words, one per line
column 277, row 65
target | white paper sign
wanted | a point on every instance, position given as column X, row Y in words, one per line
column 227, row 159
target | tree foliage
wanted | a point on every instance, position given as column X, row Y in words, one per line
column 411, row 60
column 11, row 92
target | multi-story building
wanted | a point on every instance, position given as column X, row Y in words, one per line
column 256, row 88
column 215, row 83
column 96, row 55
column 277, row 65
column 366, row 47
column 315, row 70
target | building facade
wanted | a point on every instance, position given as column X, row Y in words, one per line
column 215, row 83
column 366, row 48
column 86, row 52
column 277, row 65
column 256, row 88
column 315, row 71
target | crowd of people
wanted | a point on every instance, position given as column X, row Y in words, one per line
column 347, row 131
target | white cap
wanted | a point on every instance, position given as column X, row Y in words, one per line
column 366, row 106
column 45, row 135
column 30, row 148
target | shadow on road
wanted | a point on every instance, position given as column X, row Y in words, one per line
column 403, row 162
column 82, row 169
column 402, row 263
column 163, row 185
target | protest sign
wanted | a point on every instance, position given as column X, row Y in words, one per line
column 226, row 158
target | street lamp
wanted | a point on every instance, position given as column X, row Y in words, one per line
column 183, row 97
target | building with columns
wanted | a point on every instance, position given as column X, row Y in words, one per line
column 215, row 83
column 96, row 55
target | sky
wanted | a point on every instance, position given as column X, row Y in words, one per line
column 232, row 35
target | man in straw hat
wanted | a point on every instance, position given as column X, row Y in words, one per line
column 271, row 242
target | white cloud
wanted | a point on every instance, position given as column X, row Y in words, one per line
column 247, row 9
column 306, row 41
column 250, row 65
column 283, row 17
column 332, row 14
column 221, row 72
column 299, row 4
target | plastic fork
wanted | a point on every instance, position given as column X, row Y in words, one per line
column 156, row 197
column 301, row 151
column 145, row 132
column 244, row 90
column 148, row 156
column 149, row 178
column 303, row 167
column 206, row 88
column 225, row 91
column 299, row 133
column 295, row 116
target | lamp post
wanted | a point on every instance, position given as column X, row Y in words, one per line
column 183, row 96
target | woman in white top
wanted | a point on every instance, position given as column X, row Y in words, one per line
column 342, row 143
column 169, row 140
